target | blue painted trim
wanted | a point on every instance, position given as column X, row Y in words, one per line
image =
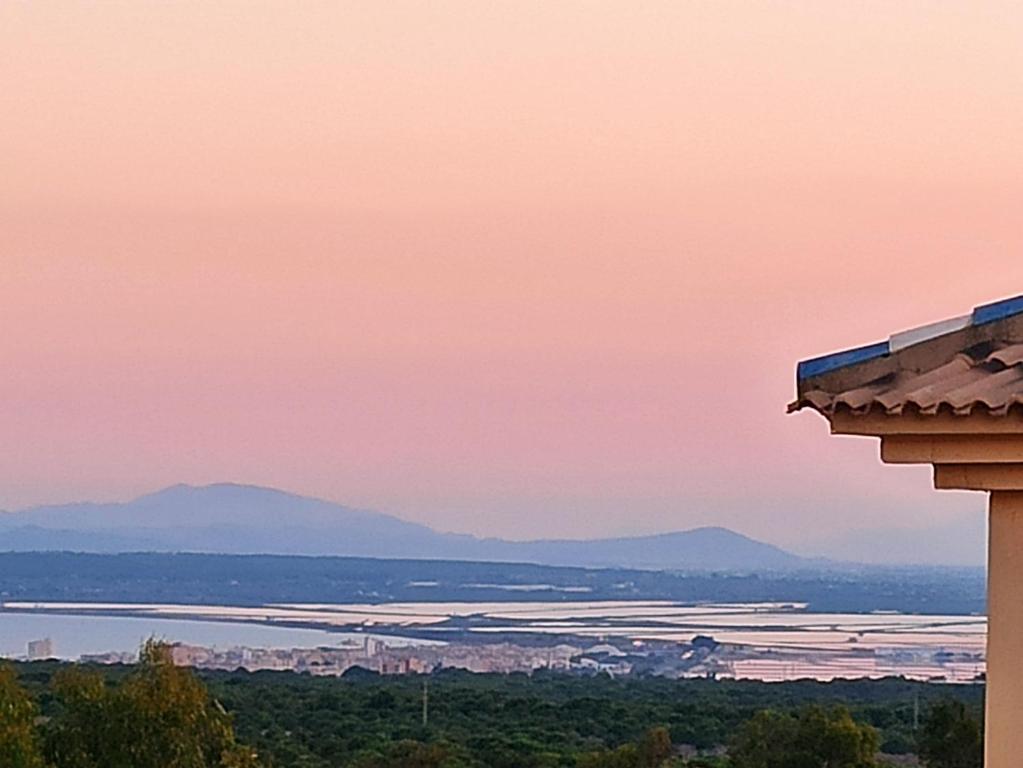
column 986, row 313
column 837, row 360
column 999, row 310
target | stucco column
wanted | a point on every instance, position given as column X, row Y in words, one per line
column 1004, row 701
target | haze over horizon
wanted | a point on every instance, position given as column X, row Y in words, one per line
column 74, row 527
column 535, row 267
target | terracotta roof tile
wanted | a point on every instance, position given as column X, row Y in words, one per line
column 1012, row 355
column 988, row 385
column 959, row 368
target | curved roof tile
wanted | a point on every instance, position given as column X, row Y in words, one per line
column 962, row 369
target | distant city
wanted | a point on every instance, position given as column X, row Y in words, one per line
column 770, row 642
column 702, row 658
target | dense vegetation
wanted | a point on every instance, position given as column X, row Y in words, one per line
column 474, row 721
column 158, row 716
column 261, row 579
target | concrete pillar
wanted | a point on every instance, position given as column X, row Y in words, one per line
column 1004, row 701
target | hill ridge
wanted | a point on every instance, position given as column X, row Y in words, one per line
column 236, row 518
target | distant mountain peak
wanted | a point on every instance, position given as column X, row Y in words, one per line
column 222, row 488
column 236, row 518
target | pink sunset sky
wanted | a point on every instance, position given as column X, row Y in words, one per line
column 511, row 268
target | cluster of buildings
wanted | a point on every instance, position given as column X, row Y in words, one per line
column 701, row 657
column 939, row 666
column 618, row 659
column 373, row 655
column 669, row 659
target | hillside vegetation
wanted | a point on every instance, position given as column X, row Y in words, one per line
column 156, row 715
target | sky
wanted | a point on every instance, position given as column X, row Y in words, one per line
column 509, row 268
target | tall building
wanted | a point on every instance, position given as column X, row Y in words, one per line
column 40, row 649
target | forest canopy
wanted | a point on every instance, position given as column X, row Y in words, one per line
column 156, row 715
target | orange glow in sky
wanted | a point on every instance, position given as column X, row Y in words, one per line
column 514, row 268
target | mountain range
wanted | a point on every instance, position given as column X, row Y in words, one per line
column 242, row 519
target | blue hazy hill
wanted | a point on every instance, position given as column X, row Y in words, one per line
column 241, row 519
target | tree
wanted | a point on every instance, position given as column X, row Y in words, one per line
column 19, row 747
column 412, row 754
column 170, row 720
column 654, row 748
column 82, row 735
column 811, row 738
column 626, row 756
column 951, row 738
column 161, row 716
column 651, row 751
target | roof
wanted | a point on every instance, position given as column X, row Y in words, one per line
column 969, row 364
